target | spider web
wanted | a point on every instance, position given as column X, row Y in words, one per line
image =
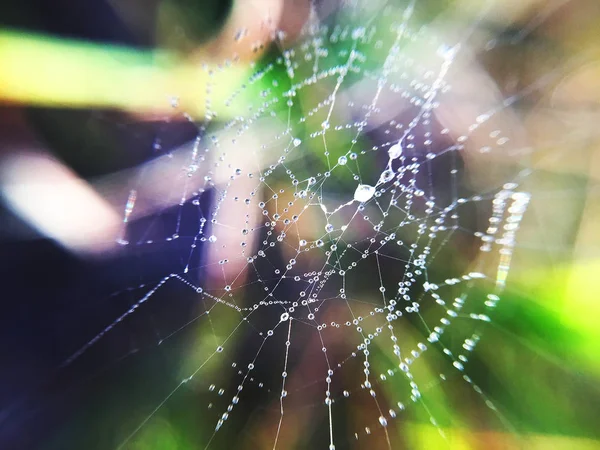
column 341, row 269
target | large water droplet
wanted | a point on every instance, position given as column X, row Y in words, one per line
column 342, row 160
column 395, row 151
column 364, row 193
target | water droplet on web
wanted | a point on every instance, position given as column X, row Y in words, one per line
column 395, row 151
column 212, row 238
column 383, row 421
column 364, row 193
column 386, row 176
column 284, row 317
column 329, row 228
column 482, row 118
column 342, row 160
column 297, row 142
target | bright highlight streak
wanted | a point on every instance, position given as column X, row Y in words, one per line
column 53, row 72
column 58, row 204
